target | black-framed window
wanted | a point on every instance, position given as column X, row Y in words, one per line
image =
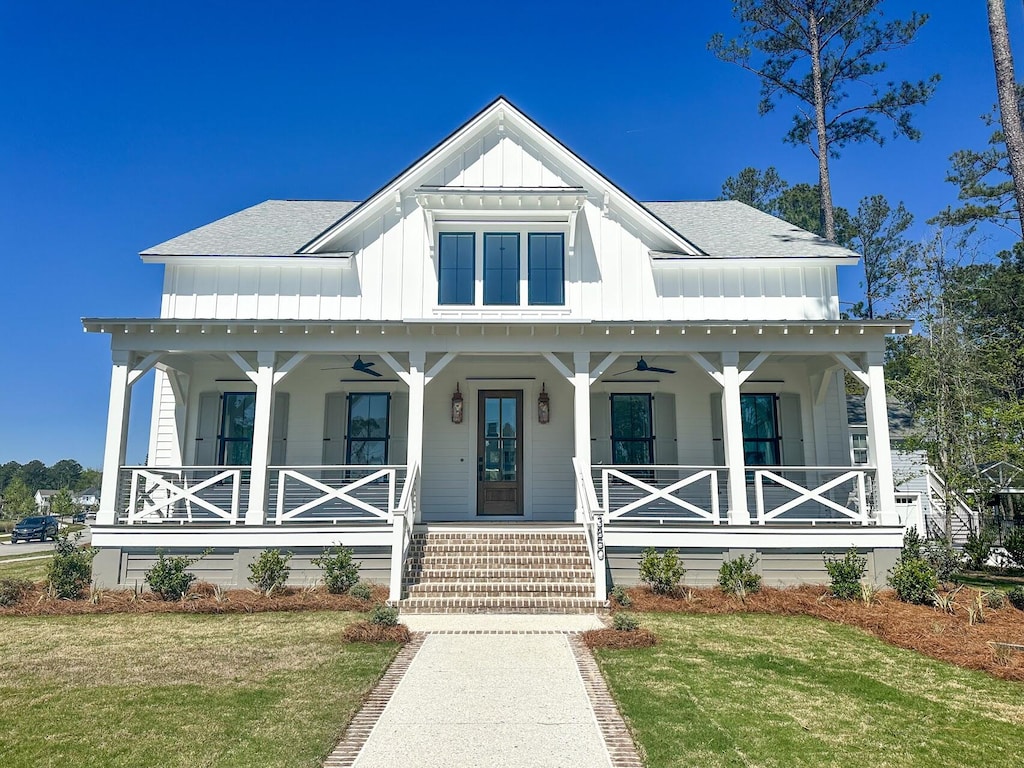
column 632, row 429
column 546, row 264
column 368, row 415
column 456, row 268
column 501, row 268
column 760, row 415
column 237, row 418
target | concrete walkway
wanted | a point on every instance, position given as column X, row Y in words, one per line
column 502, row 691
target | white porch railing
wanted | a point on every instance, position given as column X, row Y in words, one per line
column 334, row 494
column 181, row 495
column 814, row 495
column 593, row 526
column 656, row 493
column 405, row 516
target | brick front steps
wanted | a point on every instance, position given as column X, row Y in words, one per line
column 481, row 572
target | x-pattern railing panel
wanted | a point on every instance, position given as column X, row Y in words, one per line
column 146, row 483
column 329, row 493
column 666, row 493
column 815, row 495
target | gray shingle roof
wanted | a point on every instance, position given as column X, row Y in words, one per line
column 720, row 228
column 731, row 229
column 271, row 228
column 901, row 421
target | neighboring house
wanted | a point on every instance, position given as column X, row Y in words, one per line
column 88, row 498
column 43, row 497
column 499, row 339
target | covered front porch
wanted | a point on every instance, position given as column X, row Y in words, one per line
column 346, row 432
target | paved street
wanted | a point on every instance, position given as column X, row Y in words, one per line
column 24, row 547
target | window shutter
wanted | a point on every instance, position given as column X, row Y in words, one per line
column 335, row 404
column 279, row 441
column 665, row 444
column 600, row 429
column 791, row 429
column 717, row 432
column 398, row 428
column 206, row 429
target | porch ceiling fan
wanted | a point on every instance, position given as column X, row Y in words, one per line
column 359, row 365
column 643, row 366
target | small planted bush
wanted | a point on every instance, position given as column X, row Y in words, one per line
column 362, row 591
column 625, row 622
column 978, row 548
column 1016, row 597
column 70, row 570
column 846, row 574
column 662, row 573
column 12, row 590
column 1013, row 543
column 914, row 581
column 340, row 572
column 169, row 576
column 620, row 596
column 943, row 559
column 738, row 577
column 269, row 572
column 384, row 616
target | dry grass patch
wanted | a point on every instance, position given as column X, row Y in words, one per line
column 366, row 632
column 619, row 638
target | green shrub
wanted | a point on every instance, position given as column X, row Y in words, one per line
column 384, row 615
column 943, row 559
column 1013, row 542
column 70, row 570
column 662, row 573
column 914, row 581
column 269, row 572
column 1016, row 597
column 169, row 576
column 737, row 577
column 12, row 590
column 978, row 547
column 340, row 573
column 846, row 574
column 911, row 544
column 361, row 590
column 625, row 622
column 620, row 596
column 995, row 599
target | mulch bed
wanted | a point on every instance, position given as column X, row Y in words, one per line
column 365, row 632
column 203, row 598
column 619, row 638
column 919, row 628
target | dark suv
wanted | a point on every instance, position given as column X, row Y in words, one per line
column 38, row 527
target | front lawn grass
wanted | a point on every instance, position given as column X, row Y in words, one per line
column 754, row 690
column 269, row 689
column 30, row 566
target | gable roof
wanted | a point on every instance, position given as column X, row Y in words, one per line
column 500, row 112
column 270, row 228
column 901, row 421
column 729, row 228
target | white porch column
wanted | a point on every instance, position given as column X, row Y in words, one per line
column 417, row 381
column 117, row 436
column 732, row 434
column 256, row 512
column 879, row 453
column 581, row 417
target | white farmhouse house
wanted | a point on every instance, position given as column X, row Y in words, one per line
column 498, row 346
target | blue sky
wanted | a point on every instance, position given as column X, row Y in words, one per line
column 125, row 124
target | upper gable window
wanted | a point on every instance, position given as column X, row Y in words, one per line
column 456, row 268
column 501, row 268
column 547, row 268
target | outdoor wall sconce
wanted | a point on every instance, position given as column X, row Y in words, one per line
column 457, row 406
column 543, row 406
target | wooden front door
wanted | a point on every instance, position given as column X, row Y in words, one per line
column 499, row 486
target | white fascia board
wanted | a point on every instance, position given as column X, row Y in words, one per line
column 336, row 259
column 503, row 111
column 663, row 260
column 170, row 535
column 761, row 538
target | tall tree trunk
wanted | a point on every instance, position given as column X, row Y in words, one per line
column 1006, row 85
column 824, row 184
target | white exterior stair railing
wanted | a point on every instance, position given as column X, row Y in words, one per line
column 405, row 516
column 593, row 526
